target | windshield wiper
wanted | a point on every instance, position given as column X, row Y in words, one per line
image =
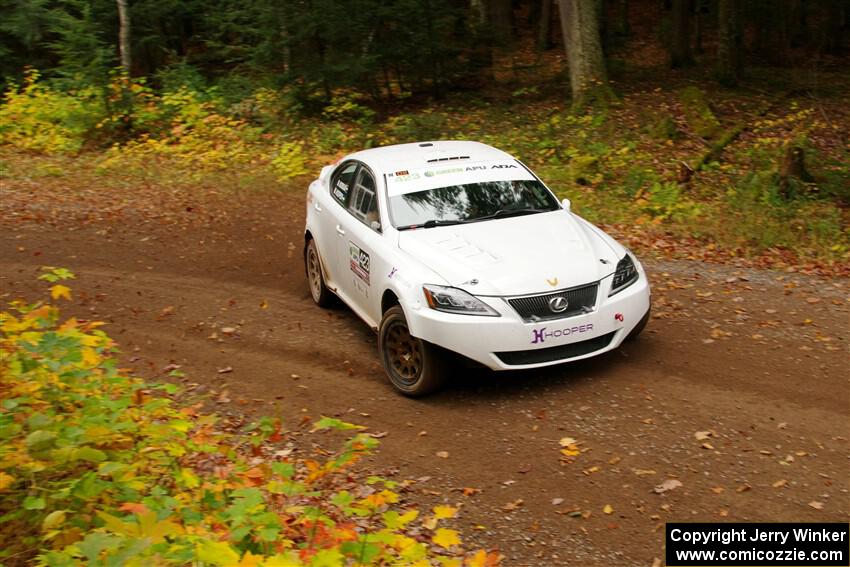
column 432, row 223
column 502, row 213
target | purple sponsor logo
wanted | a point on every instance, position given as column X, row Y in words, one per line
column 540, row 335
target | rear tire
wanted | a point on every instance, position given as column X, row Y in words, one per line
column 315, row 278
column 415, row 367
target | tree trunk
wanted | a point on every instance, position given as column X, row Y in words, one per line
column 602, row 22
column 698, row 25
column 124, row 35
column 500, row 18
column 534, row 12
column 544, row 30
column 588, row 76
column 728, row 43
column 833, row 41
column 286, row 53
column 680, row 42
column 796, row 32
column 623, row 28
column 792, row 171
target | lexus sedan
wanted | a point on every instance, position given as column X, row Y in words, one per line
column 458, row 246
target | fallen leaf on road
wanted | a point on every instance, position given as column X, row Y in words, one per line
column 379, row 435
column 60, row 290
column 643, row 472
column 557, row 501
column 264, row 304
column 567, row 441
column 523, row 469
column 743, row 488
column 228, row 330
column 718, row 490
column 702, row 435
column 468, row 491
column 225, row 370
column 780, row 483
column 482, row 559
column 223, row 398
column 443, row 512
column 510, row 506
column 443, row 454
column 816, row 505
column 667, row 485
column 608, row 509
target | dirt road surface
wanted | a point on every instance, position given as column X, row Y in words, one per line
column 738, row 389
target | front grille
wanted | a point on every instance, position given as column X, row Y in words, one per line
column 562, row 352
column 533, row 308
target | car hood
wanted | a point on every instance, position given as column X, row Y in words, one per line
column 514, row 255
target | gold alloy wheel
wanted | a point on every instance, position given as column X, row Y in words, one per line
column 314, row 272
column 404, row 353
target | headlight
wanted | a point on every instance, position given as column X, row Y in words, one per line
column 454, row 300
column 625, row 275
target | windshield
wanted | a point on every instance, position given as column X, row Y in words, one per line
column 470, row 202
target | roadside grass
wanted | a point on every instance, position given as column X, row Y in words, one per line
column 98, row 467
column 626, row 167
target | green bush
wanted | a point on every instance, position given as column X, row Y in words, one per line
column 101, row 468
column 34, row 116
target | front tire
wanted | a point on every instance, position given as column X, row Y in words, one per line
column 415, row 367
column 315, row 279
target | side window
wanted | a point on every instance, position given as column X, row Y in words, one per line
column 342, row 181
column 364, row 201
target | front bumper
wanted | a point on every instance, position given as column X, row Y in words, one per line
column 508, row 343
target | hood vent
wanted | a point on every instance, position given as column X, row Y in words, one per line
column 453, row 158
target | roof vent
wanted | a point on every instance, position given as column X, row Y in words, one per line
column 435, row 160
column 426, row 145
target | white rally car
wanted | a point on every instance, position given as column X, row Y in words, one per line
column 458, row 246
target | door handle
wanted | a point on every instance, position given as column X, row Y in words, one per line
column 339, row 231
column 317, row 206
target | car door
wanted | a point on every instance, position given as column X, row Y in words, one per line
column 364, row 247
column 331, row 208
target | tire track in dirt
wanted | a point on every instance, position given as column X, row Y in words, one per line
column 165, row 292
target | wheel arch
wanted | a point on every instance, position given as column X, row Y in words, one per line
column 388, row 299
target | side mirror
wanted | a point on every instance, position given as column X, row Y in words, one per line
column 565, row 203
column 376, row 226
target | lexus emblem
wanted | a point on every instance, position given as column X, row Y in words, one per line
column 558, row 304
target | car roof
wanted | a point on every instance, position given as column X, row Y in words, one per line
column 422, row 154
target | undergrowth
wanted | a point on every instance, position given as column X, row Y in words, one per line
column 618, row 166
column 98, row 467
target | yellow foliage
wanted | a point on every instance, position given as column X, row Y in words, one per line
column 446, row 538
column 443, row 512
column 60, row 290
